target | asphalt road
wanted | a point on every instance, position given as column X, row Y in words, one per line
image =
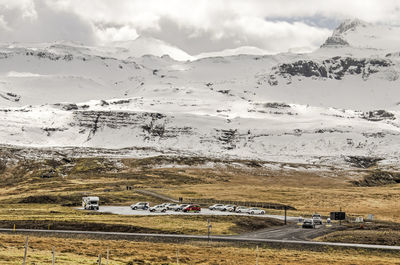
column 292, row 232
column 213, row 238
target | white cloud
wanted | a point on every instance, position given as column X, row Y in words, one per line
column 110, row 34
column 193, row 25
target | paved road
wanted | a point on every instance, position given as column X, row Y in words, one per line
column 156, row 195
column 213, row 238
column 292, row 232
column 126, row 210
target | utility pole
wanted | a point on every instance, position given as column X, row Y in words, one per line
column 340, row 221
column 53, row 256
column 177, row 256
column 285, row 215
column 208, row 229
column 99, row 260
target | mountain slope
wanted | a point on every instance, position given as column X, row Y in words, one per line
column 323, row 107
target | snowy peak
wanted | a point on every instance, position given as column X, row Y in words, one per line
column 364, row 37
column 349, row 25
column 145, row 45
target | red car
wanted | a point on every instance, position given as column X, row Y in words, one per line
column 192, row 208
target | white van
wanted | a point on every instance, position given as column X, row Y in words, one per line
column 90, row 203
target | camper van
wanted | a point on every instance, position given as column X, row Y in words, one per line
column 90, row 203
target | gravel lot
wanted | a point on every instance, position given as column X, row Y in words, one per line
column 126, row 210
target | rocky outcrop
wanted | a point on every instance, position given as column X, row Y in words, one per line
column 362, row 161
column 378, row 178
column 332, row 68
column 349, row 24
column 335, row 41
column 378, row 115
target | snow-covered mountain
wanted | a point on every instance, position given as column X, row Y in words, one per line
column 251, row 50
column 145, row 46
column 322, row 107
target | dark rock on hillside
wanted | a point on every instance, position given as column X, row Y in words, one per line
column 228, row 138
column 362, row 161
column 378, row 178
column 332, row 68
column 335, row 41
column 276, row 105
column 378, row 115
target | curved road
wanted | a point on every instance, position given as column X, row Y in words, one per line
column 292, row 232
column 213, row 238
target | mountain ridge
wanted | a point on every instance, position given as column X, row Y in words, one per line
column 316, row 108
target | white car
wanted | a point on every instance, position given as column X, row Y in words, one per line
column 229, row 208
column 317, row 218
column 217, row 207
column 180, row 207
column 140, row 205
column 241, row 209
column 172, row 206
column 255, row 211
column 158, row 208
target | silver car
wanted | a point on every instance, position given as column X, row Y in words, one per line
column 158, row 208
column 317, row 218
column 255, row 211
column 241, row 209
column 171, row 206
column 218, row 207
column 181, row 207
column 229, row 208
column 140, row 205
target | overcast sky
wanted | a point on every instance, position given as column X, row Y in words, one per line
column 194, row 26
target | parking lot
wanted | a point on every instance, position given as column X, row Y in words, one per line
column 126, row 210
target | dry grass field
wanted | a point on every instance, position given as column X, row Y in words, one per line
column 309, row 191
column 85, row 251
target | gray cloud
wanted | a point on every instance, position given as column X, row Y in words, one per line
column 193, row 25
column 275, row 36
column 46, row 25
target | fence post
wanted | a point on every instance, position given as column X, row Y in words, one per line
column 26, row 250
column 108, row 254
column 99, row 260
column 257, row 255
column 53, row 258
column 177, row 256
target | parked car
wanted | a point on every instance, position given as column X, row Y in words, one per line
column 180, row 207
column 255, row 211
column 171, row 206
column 229, row 208
column 308, row 223
column 140, row 205
column 158, row 208
column 317, row 218
column 241, row 209
column 192, row 208
column 218, row 207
